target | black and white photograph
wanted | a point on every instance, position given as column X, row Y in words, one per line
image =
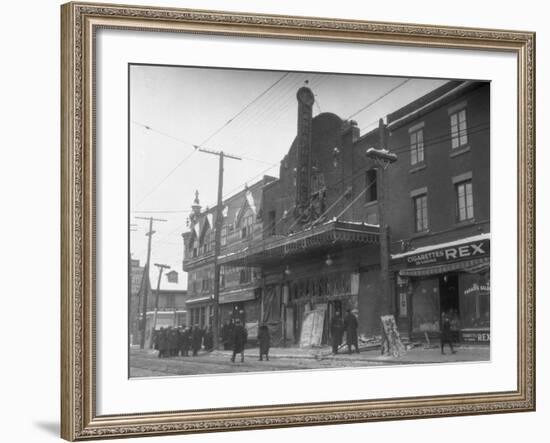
column 284, row 220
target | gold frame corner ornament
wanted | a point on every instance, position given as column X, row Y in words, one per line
column 79, row 21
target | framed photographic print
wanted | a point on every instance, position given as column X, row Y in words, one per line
column 281, row 221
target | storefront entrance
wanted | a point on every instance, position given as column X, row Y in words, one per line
column 448, row 292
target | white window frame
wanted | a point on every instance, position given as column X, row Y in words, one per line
column 459, row 127
column 417, row 146
column 415, row 195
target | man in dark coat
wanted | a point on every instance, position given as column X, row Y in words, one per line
column 264, row 340
column 209, row 339
column 181, row 336
column 350, row 326
column 161, row 342
column 196, row 339
column 185, row 342
column 446, row 333
column 336, row 331
column 226, row 335
column 172, row 341
column 240, row 337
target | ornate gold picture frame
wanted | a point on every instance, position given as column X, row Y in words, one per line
column 80, row 23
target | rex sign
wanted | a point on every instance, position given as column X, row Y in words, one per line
column 476, row 249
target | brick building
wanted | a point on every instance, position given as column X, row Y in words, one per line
column 439, row 210
column 317, row 251
column 239, row 285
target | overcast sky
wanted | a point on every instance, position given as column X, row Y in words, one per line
column 174, row 108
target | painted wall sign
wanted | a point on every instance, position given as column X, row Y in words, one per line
column 477, row 249
column 476, row 336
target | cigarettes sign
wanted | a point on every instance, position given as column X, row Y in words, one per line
column 465, row 251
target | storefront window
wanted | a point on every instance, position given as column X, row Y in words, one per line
column 425, row 305
column 475, row 300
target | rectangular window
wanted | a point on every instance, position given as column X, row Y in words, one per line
column 459, row 130
column 464, row 201
column 203, row 316
column 222, row 276
column 247, row 226
column 223, row 240
column 371, row 193
column 170, row 301
column 245, row 275
column 417, row 146
column 272, row 223
column 421, row 213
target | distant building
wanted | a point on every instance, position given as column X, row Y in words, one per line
column 135, row 300
column 172, row 298
column 171, row 302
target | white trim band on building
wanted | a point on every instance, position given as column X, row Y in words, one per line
column 429, row 248
column 479, row 264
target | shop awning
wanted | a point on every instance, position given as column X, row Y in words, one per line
column 333, row 234
column 238, row 295
column 474, row 266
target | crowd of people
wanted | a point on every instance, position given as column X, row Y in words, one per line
column 185, row 341
column 173, row 342
column 181, row 341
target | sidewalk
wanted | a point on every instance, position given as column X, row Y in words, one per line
column 411, row 356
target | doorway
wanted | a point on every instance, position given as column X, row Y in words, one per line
column 448, row 290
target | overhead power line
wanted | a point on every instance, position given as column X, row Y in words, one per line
column 150, row 128
column 265, row 91
column 376, row 100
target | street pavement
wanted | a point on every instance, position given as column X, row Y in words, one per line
column 145, row 363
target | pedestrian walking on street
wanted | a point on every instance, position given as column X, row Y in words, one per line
column 240, row 337
column 196, row 339
column 264, row 341
column 350, row 326
column 336, row 331
column 446, row 333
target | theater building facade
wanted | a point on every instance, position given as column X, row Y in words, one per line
column 320, row 247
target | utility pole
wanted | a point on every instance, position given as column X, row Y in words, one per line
column 217, row 240
column 145, row 277
column 161, row 269
column 383, row 159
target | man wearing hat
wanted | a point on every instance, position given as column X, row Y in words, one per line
column 350, row 326
column 240, row 337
